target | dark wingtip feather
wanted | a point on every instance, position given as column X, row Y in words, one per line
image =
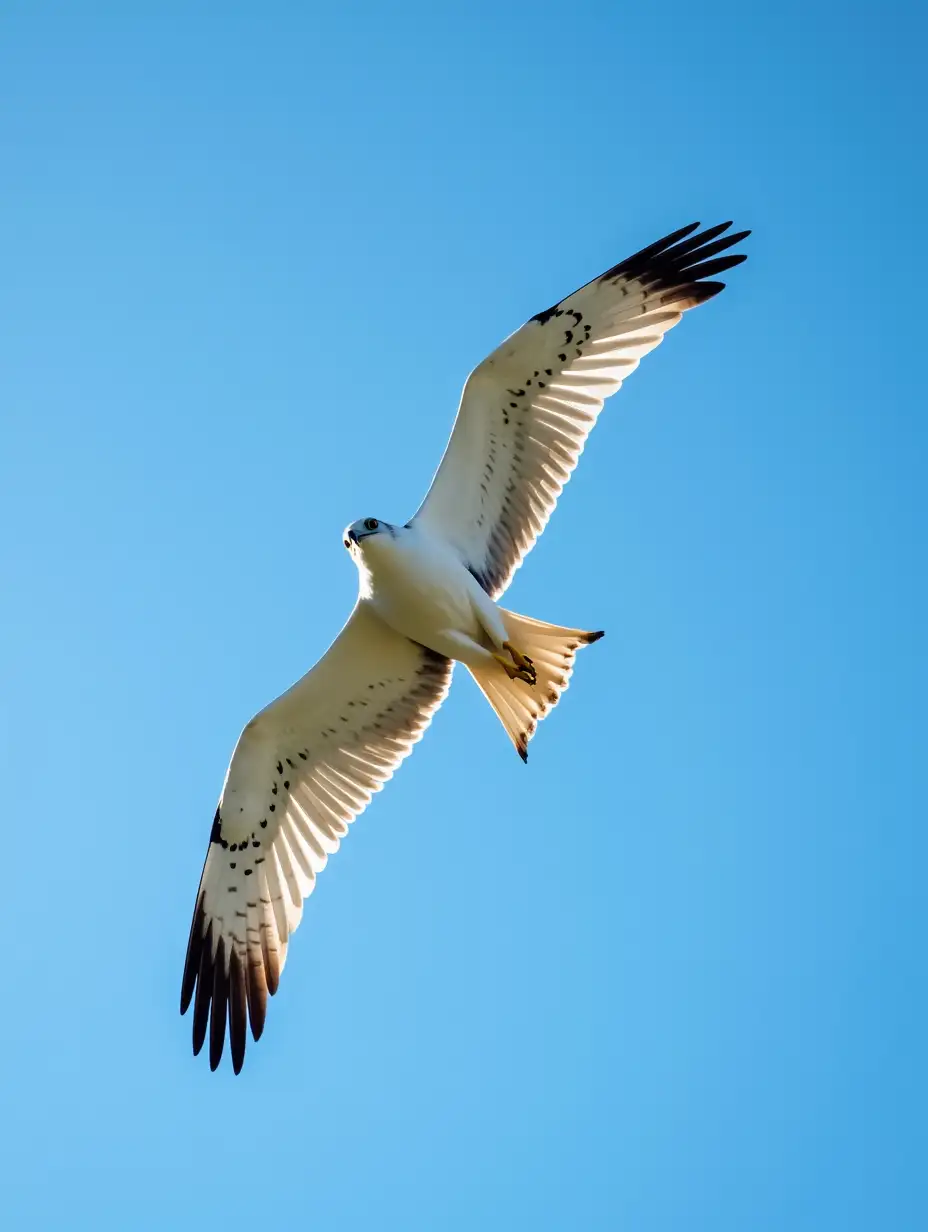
column 707, row 268
column 217, row 1018
column 204, row 991
column 522, row 750
column 192, row 961
column 706, row 250
column 680, row 261
column 646, row 254
column 238, row 1014
column 707, row 290
column 594, row 637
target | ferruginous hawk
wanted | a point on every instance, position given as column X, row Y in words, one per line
column 308, row 764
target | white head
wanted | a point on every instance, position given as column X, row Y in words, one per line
column 367, row 529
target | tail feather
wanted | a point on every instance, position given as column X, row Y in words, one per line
column 520, row 706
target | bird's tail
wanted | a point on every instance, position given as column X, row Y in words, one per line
column 521, row 706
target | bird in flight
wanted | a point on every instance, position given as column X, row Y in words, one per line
column 307, row 765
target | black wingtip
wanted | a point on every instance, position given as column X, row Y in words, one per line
column 594, row 637
column 238, row 1011
column 522, row 750
column 644, row 255
column 204, row 993
column 681, row 260
column 192, row 960
column 217, row 1017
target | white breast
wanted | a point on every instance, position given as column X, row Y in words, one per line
column 417, row 584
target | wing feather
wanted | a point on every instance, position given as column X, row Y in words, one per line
column 302, row 770
column 527, row 410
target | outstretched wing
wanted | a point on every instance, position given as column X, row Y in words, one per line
column 527, row 410
column 302, row 770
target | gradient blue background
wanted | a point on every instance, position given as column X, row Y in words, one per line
column 670, row 976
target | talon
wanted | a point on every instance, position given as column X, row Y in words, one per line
column 509, row 668
column 521, row 668
column 518, row 657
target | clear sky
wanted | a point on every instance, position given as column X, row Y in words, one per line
column 668, row 976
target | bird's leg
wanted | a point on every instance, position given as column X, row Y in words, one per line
column 521, row 667
column 515, row 673
column 518, row 658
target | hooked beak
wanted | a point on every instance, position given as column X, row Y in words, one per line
column 353, row 536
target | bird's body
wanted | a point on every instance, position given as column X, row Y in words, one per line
column 417, row 584
column 308, row 764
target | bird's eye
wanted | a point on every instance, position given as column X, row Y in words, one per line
column 370, row 523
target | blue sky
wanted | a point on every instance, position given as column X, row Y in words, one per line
column 670, row 975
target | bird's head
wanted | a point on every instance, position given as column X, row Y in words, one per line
column 366, row 528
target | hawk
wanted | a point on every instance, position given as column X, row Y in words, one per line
column 308, row 764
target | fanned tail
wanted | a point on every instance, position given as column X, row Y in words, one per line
column 552, row 649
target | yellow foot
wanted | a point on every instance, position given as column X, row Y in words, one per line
column 518, row 657
column 521, row 667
